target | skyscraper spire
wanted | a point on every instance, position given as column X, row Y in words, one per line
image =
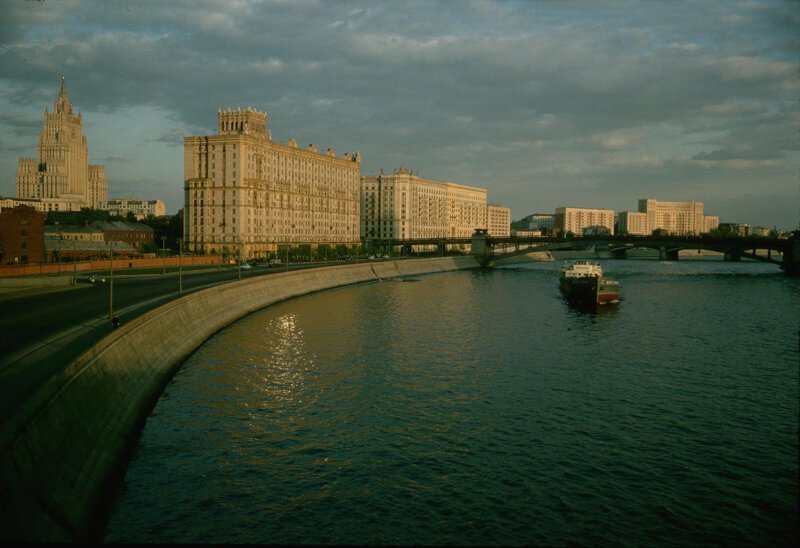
column 62, row 104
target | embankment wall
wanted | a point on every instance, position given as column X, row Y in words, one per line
column 69, row 443
column 39, row 269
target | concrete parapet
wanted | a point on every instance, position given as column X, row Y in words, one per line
column 61, row 451
column 35, row 281
column 39, row 269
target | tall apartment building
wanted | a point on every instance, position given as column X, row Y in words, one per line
column 245, row 193
column 140, row 208
column 404, row 206
column 61, row 176
column 633, row 222
column 575, row 219
column 677, row 218
column 498, row 219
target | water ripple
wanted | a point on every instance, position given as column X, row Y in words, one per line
column 479, row 408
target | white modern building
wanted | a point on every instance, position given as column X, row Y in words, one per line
column 575, row 219
column 140, row 208
column 544, row 222
column 679, row 218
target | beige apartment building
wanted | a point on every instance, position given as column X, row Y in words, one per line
column 576, row 219
column 246, row 194
column 404, row 206
column 61, row 176
column 498, row 219
column 43, row 205
column 140, row 208
column 679, row 218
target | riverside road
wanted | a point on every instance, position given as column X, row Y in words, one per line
column 40, row 334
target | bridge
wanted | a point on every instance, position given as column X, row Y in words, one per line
column 783, row 252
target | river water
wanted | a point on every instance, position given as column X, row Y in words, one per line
column 478, row 407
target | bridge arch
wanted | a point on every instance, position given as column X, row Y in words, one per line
column 784, row 252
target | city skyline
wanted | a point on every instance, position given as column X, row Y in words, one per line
column 543, row 104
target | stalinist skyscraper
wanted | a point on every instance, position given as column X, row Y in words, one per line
column 62, row 174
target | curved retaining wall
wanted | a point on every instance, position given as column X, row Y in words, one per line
column 63, row 448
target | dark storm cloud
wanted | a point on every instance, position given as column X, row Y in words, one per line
column 21, row 124
column 523, row 98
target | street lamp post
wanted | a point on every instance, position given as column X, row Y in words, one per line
column 180, row 267
column 111, row 285
column 164, row 253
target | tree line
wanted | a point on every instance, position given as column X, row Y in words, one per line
column 168, row 227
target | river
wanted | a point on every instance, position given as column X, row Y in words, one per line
column 478, row 407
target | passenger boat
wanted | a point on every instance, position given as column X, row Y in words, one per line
column 584, row 281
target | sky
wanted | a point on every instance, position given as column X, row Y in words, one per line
column 543, row 103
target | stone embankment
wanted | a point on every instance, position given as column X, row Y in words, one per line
column 44, row 269
column 63, row 451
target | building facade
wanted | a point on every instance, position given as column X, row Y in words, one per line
column 140, row 208
column 679, row 218
column 21, row 235
column 61, row 172
column 136, row 235
column 735, row 229
column 633, row 222
column 404, row 206
column 74, row 233
column 526, row 233
column 42, row 205
column 544, row 222
column 710, row 222
column 575, row 219
column 498, row 219
column 246, row 194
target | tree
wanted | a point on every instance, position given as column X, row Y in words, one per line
column 521, row 224
column 77, row 218
column 169, row 227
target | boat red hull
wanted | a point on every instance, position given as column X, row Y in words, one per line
column 590, row 290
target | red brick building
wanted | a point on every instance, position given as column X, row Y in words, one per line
column 135, row 234
column 21, row 235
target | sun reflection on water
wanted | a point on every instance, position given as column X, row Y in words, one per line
column 284, row 364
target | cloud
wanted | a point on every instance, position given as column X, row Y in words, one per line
column 622, row 161
column 21, row 124
column 618, row 139
column 171, row 137
column 512, row 96
column 741, row 154
column 684, row 47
